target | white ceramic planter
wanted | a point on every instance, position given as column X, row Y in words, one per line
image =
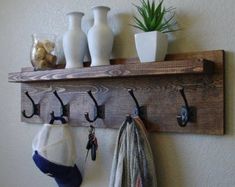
column 100, row 37
column 151, row 46
column 74, row 41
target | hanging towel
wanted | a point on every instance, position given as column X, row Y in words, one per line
column 133, row 164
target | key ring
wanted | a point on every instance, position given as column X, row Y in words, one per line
column 92, row 143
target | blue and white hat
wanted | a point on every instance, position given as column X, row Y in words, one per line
column 54, row 154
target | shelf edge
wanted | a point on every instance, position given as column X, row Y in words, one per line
column 194, row 66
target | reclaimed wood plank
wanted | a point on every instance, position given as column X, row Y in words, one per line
column 193, row 66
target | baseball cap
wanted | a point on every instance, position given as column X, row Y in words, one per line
column 54, row 154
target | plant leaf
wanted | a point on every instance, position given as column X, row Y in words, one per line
column 167, row 23
column 140, row 24
column 152, row 17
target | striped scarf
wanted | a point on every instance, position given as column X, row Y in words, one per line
column 133, row 164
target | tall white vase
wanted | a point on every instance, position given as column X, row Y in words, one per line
column 100, row 37
column 74, row 41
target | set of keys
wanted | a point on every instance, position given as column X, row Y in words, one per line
column 92, row 143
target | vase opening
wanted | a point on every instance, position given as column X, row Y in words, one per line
column 75, row 13
column 101, row 7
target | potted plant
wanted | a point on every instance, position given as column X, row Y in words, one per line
column 152, row 43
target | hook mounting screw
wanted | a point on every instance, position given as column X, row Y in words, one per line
column 100, row 110
column 36, row 107
column 187, row 113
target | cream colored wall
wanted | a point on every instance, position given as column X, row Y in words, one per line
column 181, row 160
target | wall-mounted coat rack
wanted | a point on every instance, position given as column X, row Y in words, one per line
column 184, row 94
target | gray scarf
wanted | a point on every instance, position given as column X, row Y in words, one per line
column 133, row 164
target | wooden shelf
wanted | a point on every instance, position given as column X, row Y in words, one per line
column 192, row 66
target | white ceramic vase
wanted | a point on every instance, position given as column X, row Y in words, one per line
column 74, row 41
column 100, row 37
column 151, row 46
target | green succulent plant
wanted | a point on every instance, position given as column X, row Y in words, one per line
column 153, row 17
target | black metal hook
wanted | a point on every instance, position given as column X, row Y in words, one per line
column 64, row 108
column 135, row 100
column 56, row 118
column 99, row 113
column 36, row 107
column 187, row 114
column 64, row 111
column 139, row 110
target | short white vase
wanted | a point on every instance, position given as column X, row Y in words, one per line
column 100, row 37
column 151, row 46
column 74, row 41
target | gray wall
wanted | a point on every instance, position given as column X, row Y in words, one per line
column 182, row 160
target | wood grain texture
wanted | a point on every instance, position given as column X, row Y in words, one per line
column 191, row 66
column 159, row 94
column 87, row 63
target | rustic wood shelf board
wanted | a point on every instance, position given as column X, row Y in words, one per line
column 155, row 86
column 192, row 66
